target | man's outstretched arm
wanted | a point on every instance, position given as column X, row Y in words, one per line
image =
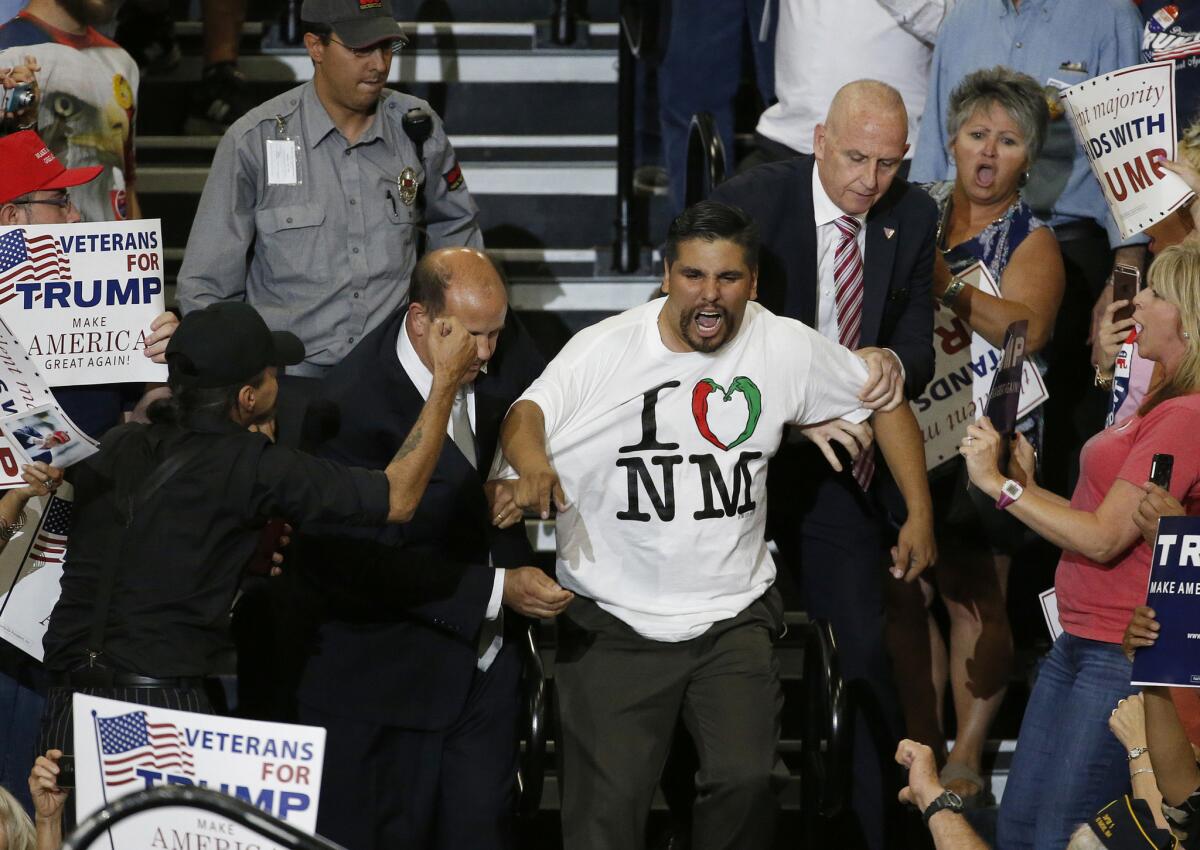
column 523, row 441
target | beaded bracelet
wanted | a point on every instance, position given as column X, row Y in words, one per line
column 9, row 529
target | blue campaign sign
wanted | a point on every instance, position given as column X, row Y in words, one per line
column 1174, row 594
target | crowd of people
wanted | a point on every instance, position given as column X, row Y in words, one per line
column 355, row 426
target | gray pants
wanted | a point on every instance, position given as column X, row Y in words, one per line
column 619, row 697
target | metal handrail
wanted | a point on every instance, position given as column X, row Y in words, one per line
column 531, row 768
column 705, row 158
column 625, row 249
column 825, row 746
column 563, row 19
column 240, row 812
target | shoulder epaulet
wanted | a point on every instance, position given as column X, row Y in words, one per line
column 395, row 103
column 284, row 105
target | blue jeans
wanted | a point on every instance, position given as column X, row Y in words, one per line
column 1068, row 763
column 701, row 68
column 20, row 714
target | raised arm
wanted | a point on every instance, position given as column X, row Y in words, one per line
column 1032, row 286
column 523, row 441
column 1099, row 535
column 453, row 351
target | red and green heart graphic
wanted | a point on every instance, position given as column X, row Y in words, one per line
column 740, row 384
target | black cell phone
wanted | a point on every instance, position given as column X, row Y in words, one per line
column 66, row 772
column 1127, row 280
column 1160, row 470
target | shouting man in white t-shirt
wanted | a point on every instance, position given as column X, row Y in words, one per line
column 652, row 431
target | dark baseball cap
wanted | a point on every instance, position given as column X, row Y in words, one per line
column 357, row 23
column 226, row 343
column 1126, row 824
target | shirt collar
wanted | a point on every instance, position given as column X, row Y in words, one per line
column 318, row 124
column 825, row 211
column 412, row 365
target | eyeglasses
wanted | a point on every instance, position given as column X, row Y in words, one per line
column 63, row 201
column 393, row 47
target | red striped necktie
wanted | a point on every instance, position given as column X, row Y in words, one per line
column 848, row 297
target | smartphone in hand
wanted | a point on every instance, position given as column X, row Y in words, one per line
column 1127, row 281
column 1160, row 470
column 66, row 772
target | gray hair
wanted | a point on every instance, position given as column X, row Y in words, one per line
column 1018, row 94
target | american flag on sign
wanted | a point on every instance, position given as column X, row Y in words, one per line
column 30, row 258
column 128, row 742
column 50, row 544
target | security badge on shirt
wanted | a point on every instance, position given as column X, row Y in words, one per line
column 283, row 162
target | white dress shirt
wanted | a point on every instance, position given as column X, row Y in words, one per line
column 821, row 45
column 825, row 213
column 422, row 379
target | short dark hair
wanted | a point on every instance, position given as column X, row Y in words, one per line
column 321, row 31
column 430, row 279
column 710, row 221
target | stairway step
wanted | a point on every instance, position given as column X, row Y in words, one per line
column 532, row 220
column 174, row 150
column 467, row 108
column 483, row 178
column 437, row 66
column 498, row 10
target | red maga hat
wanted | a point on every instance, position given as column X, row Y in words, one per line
column 27, row 165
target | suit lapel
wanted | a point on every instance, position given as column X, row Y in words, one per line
column 489, row 413
column 877, row 271
column 803, row 298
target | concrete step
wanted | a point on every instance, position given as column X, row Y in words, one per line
column 466, row 108
column 562, row 206
column 176, row 150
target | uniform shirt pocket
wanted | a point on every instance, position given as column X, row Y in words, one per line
column 289, row 245
column 276, row 219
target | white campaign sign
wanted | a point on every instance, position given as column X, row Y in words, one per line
column 122, row 747
column 23, row 389
column 965, row 366
column 30, row 569
column 81, row 297
column 1125, row 121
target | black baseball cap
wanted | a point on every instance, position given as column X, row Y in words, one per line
column 357, row 23
column 1126, row 824
column 225, row 343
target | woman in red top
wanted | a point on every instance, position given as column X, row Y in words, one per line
column 1067, row 763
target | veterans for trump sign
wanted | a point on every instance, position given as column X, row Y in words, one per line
column 123, row 747
column 1174, row 594
column 1126, row 123
column 81, row 297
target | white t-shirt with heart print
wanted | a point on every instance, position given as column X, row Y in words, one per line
column 663, row 457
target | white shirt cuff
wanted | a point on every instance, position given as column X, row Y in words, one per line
column 493, row 609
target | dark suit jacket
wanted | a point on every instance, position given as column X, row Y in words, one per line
column 897, row 303
column 398, row 638
column 898, row 270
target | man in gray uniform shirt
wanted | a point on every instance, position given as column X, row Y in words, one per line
column 315, row 198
